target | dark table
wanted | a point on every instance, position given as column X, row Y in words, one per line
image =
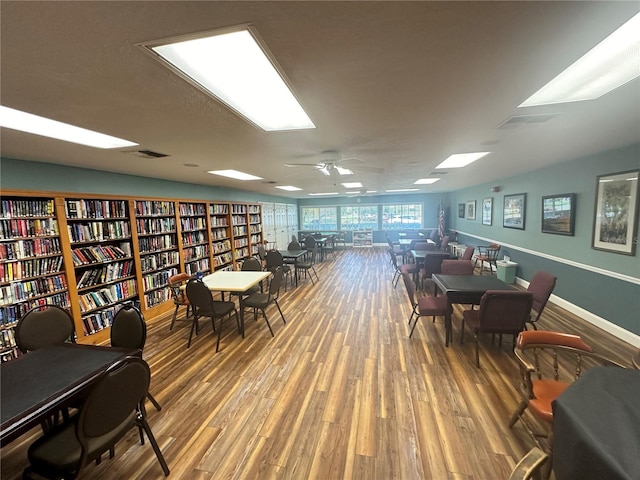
column 596, row 426
column 37, row 384
column 293, row 255
column 466, row 289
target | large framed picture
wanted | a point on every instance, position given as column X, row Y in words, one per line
column 616, row 213
column 461, row 210
column 471, row 210
column 559, row 213
column 513, row 212
column 487, row 211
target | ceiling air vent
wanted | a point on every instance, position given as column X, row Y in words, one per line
column 518, row 121
column 145, row 154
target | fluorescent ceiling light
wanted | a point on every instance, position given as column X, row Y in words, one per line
column 402, row 190
column 425, row 181
column 344, row 171
column 234, row 174
column 27, row 122
column 352, row 185
column 354, row 192
column 289, row 188
column 234, row 68
column 327, row 193
column 458, row 160
column 324, row 171
column 607, row 66
column 372, row 191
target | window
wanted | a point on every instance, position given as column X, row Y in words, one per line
column 359, row 217
column 319, row 218
column 398, row 217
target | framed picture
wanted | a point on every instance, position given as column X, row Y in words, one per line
column 513, row 213
column 471, row 210
column 559, row 213
column 616, row 213
column 487, row 211
column 461, row 208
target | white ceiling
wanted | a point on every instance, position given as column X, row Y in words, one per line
column 398, row 85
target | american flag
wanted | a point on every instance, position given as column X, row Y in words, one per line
column 441, row 223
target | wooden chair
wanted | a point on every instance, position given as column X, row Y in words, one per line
column 178, row 295
column 488, row 254
column 530, row 465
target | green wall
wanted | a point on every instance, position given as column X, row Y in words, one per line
column 603, row 283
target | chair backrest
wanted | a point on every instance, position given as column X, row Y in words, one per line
column 493, row 251
column 309, row 242
column 457, row 267
column 434, row 235
column 262, row 253
column 274, row 259
column 410, row 286
column 433, row 264
column 419, row 245
column 294, row 245
column 111, row 407
column 42, row 326
column 199, row 295
column 468, row 253
column 175, row 282
column 251, row 264
column 128, row 329
column 504, row 311
column 394, row 259
column 276, row 281
column 445, row 242
column 541, row 285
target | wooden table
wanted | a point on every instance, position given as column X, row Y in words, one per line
column 465, row 289
column 35, row 385
column 293, row 255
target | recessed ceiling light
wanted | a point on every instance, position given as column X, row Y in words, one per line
column 233, row 66
column 425, row 181
column 402, row 190
column 458, row 160
column 344, row 171
column 288, row 188
column 607, row 66
column 234, row 174
column 352, row 185
column 327, row 193
column 27, row 122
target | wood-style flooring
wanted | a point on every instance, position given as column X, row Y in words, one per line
column 341, row 392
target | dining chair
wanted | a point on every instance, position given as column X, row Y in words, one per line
column 274, row 260
column 424, row 306
column 42, row 326
column 529, row 466
column 129, row 330
column 398, row 270
column 250, row 264
column 445, row 243
column 501, row 312
column 308, row 265
column 204, row 305
column 260, row 301
column 114, row 405
column 456, row 267
column 541, row 285
column 431, row 264
column 329, row 247
column 468, row 253
column 488, row 254
column 178, row 295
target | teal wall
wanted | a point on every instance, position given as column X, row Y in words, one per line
column 24, row 175
column 603, row 283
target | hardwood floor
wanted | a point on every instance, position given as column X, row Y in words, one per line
column 341, row 392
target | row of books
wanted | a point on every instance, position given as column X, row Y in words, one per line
column 219, row 222
column 147, row 226
column 220, row 247
column 193, row 253
column 107, row 295
column 189, row 238
column 10, row 314
column 148, row 207
column 96, row 208
column 100, row 253
column 240, row 242
column 22, row 269
column 26, row 208
column 37, row 227
column 98, row 231
column 20, row 291
column 241, row 252
column 238, row 208
column 254, row 208
column 7, row 338
column 218, row 209
column 159, row 260
column 19, row 249
column 201, row 266
column 94, row 322
column 161, row 242
column 238, row 219
column 192, row 209
column 222, row 259
column 158, row 279
column 255, row 239
column 156, row 297
column 105, row 274
column 239, row 231
column 255, row 228
column 254, row 219
column 219, row 233
column 193, row 223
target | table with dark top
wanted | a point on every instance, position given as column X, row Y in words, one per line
column 35, row 385
column 465, row 289
column 596, row 426
column 420, row 257
column 293, row 255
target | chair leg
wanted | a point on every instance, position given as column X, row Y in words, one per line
column 267, row 320
column 143, row 421
column 154, row 401
column 518, row 413
column 173, row 319
column 414, row 326
column 477, row 352
column 280, row 310
column 219, row 333
column 194, row 324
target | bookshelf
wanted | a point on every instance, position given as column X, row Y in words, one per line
column 220, row 236
column 363, row 238
column 240, row 230
column 158, row 248
column 103, row 267
column 31, row 263
column 195, row 237
column 255, row 227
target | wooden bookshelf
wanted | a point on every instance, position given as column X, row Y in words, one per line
column 240, row 230
column 255, row 227
column 220, row 228
column 195, row 237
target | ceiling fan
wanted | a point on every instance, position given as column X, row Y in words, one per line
column 332, row 163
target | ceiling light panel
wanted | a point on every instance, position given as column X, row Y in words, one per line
column 425, row 181
column 352, row 185
column 289, row 188
column 459, row 160
column 235, row 174
column 233, row 67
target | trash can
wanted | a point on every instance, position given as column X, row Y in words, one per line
column 506, row 271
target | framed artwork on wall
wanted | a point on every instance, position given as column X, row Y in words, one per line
column 471, row 210
column 558, row 213
column 616, row 213
column 487, row 211
column 513, row 213
column 461, row 208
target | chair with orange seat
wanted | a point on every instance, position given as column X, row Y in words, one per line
column 178, row 295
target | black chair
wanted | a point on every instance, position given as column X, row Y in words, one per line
column 114, row 405
column 308, row 265
column 42, row 326
column 251, row 264
column 204, row 305
column 260, row 301
column 274, row 260
column 179, row 297
column 129, row 330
